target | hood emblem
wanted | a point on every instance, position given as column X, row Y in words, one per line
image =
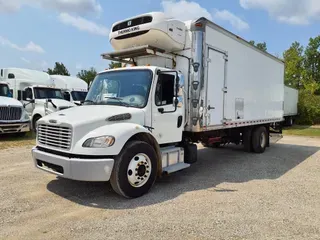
column 53, row 121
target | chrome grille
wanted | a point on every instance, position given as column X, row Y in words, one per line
column 10, row 113
column 54, row 136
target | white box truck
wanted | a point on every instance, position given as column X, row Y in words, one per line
column 291, row 98
column 36, row 91
column 185, row 83
column 74, row 89
column 13, row 117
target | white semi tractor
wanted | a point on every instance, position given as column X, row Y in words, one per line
column 36, row 91
column 74, row 89
column 184, row 83
column 13, row 117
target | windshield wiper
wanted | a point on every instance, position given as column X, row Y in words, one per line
column 120, row 100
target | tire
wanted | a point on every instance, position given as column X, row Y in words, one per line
column 34, row 122
column 132, row 160
column 259, row 139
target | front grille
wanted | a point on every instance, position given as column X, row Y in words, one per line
column 54, row 136
column 10, row 113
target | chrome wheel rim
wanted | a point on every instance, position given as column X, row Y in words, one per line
column 139, row 170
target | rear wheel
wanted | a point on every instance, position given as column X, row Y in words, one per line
column 259, row 139
column 135, row 169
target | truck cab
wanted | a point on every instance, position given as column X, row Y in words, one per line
column 13, row 117
column 74, row 89
column 36, row 91
column 41, row 100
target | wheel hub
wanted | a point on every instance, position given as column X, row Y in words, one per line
column 139, row 170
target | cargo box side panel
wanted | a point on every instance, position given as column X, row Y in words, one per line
column 290, row 101
column 254, row 82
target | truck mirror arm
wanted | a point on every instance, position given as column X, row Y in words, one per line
column 50, row 101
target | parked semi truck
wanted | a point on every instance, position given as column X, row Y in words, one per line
column 13, row 117
column 74, row 89
column 185, row 83
column 36, row 91
column 291, row 97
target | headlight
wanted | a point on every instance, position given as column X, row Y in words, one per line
column 99, row 142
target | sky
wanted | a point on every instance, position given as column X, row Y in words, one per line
column 37, row 33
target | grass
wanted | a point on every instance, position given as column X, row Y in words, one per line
column 308, row 131
column 11, row 140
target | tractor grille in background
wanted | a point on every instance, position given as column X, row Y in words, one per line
column 10, row 113
column 54, row 136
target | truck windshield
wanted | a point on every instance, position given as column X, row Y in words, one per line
column 122, row 87
column 4, row 91
column 78, row 95
column 44, row 93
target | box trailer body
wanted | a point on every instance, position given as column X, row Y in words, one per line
column 13, row 117
column 143, row 119
column 74, row 89
column 291, row 97
column 35, row 90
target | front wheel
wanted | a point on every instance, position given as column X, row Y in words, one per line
column 135, row 169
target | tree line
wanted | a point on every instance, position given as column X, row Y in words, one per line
column 86, row 75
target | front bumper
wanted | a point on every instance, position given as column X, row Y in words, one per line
column 91, row 170
column 14, row 127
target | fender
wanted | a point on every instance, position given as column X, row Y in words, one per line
column 122, row 132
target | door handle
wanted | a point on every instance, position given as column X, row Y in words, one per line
column 209, row 108
column 160, row 110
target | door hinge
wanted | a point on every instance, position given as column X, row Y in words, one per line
column 224, row 89
column 208, row 59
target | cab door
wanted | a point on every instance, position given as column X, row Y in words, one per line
column 167, row 113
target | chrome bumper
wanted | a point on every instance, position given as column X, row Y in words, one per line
column 14, row 127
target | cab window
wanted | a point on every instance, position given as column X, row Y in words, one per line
column 165, row 90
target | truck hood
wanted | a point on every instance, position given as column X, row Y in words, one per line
column 6, row 101
column 84, row 119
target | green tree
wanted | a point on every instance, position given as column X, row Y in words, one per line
column 87, row 75
column 294, row 69
column 59, row 69
column 261, row 46
column 312, row 60
column 114, row 65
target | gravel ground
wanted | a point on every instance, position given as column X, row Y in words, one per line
column 227, row 194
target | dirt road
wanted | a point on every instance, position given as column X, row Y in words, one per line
column 227, row 194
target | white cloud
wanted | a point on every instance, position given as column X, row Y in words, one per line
column 70, row 6
column 25, row 60
column 74, row 6
column 184, row 10
column 30, row 47
column 235, row 21
column 188, row 10
column 83, row 24
column 9, row 6
column 299, row 12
